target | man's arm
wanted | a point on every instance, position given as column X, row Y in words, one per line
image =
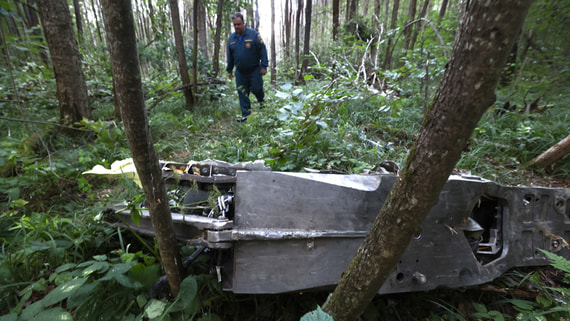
column 230, row 63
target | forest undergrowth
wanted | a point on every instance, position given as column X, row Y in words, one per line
column 59, row 259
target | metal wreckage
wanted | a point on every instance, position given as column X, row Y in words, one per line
column 275, row 232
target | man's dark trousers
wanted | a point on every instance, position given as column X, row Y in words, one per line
column 246, row 83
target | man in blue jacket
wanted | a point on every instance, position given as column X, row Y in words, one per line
column 247, row 52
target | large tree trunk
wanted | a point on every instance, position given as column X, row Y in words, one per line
column 119, row 23
column 485, row 36
column 217, row 37
column 66, row 60
column 182, row 63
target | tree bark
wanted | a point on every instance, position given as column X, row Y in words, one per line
column 182, row 63
column 553, row 154
column 202, row 30
column 485, row 36
column 66, row 60
column 217, row 37
column 119, row 24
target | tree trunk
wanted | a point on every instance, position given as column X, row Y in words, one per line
column 335, row 20
column 442, row 9
column 273, row 49
column 553, row 154
column 78, row 20
column 467, row 90
column 298, row 40
column 95, row 15
column 388, row 56
column 66, row 60
column 217, row 37
column 202, row 30
column 306, row 44
column 195, row 48
column 417, row 29
column 408, row 30
column 287, row 15
column 182, row 63
column 119, row 23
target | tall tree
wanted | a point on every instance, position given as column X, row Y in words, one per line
column 78, row 20
column 273, row 49
column 307, row 41
column 202, row 30
column 66, row 60
column 287, row 14
column 485, row 37
column 336, row 24
column 422, row 14
column 182, row 63
column 119, row 24
column 298, row 40
column 217, row 37
column 195, row 47
column 393, row 21
column 408, row 30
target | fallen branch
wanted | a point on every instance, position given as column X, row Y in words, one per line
column 553, row 154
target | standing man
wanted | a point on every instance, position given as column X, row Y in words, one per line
column 247, row 52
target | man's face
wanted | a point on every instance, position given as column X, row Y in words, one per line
column 239, row 26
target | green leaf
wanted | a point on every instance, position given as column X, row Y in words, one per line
column 188, row 299
column 543, row 302
column 9, row 317
column 522, row 305
column 480, row 307
column 209, row 317
column 54, row 314
column 136, row 216
column 63, row 291
column 100, row 267
column 317, row 315
column 308, row 77
column 154, row 309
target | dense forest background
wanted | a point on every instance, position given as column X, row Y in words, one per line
column 348, row 87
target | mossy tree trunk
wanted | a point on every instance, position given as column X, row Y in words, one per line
column 485, row 37
column 119, row 25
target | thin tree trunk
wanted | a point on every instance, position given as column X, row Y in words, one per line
column 336, row 23
column 298, row 39
column 467, row 91
column 408, row 30
column 182, row 63
column 195, row 49
column 417, row 28
column 202, row 31
column 66, row 60
column 78, row 21
column 119, row 23
column 217, row 37
column 306, row 44
column 442, row 9
column 388, row 56
column 287, row 41
column 95, row 15
column 273, row 49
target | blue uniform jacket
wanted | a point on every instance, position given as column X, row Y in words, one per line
column 246, row 54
